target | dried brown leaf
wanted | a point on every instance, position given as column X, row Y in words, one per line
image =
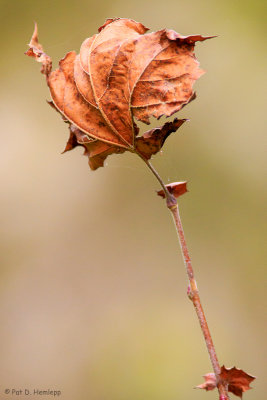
column 152, row 141
column 210, row 382
column 236, row 380
column 176, row 189
column 96, row 150
column 120, row 73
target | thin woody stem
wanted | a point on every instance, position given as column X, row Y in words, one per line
column 193, row 293
column 153, row 170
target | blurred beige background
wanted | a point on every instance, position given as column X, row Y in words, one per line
column 93, row 288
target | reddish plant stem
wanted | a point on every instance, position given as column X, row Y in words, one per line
column 193, row 294
column 153, row 170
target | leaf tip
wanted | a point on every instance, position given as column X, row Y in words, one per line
column 190, row 39
column 35, row 33
column 36, row 51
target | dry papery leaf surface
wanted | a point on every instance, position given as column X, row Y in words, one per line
column 236, row 380
column 121, row 74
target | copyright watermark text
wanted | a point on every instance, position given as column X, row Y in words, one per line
column 33, row 392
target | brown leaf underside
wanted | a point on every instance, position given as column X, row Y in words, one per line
column 122, row 72
column 235, row 379
column 96, row 150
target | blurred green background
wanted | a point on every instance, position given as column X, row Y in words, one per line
column 93, row 288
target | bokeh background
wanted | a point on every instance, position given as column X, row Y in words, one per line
column 93, row 288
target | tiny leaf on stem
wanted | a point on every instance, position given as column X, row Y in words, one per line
column 176, row 189
column 236, row 380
